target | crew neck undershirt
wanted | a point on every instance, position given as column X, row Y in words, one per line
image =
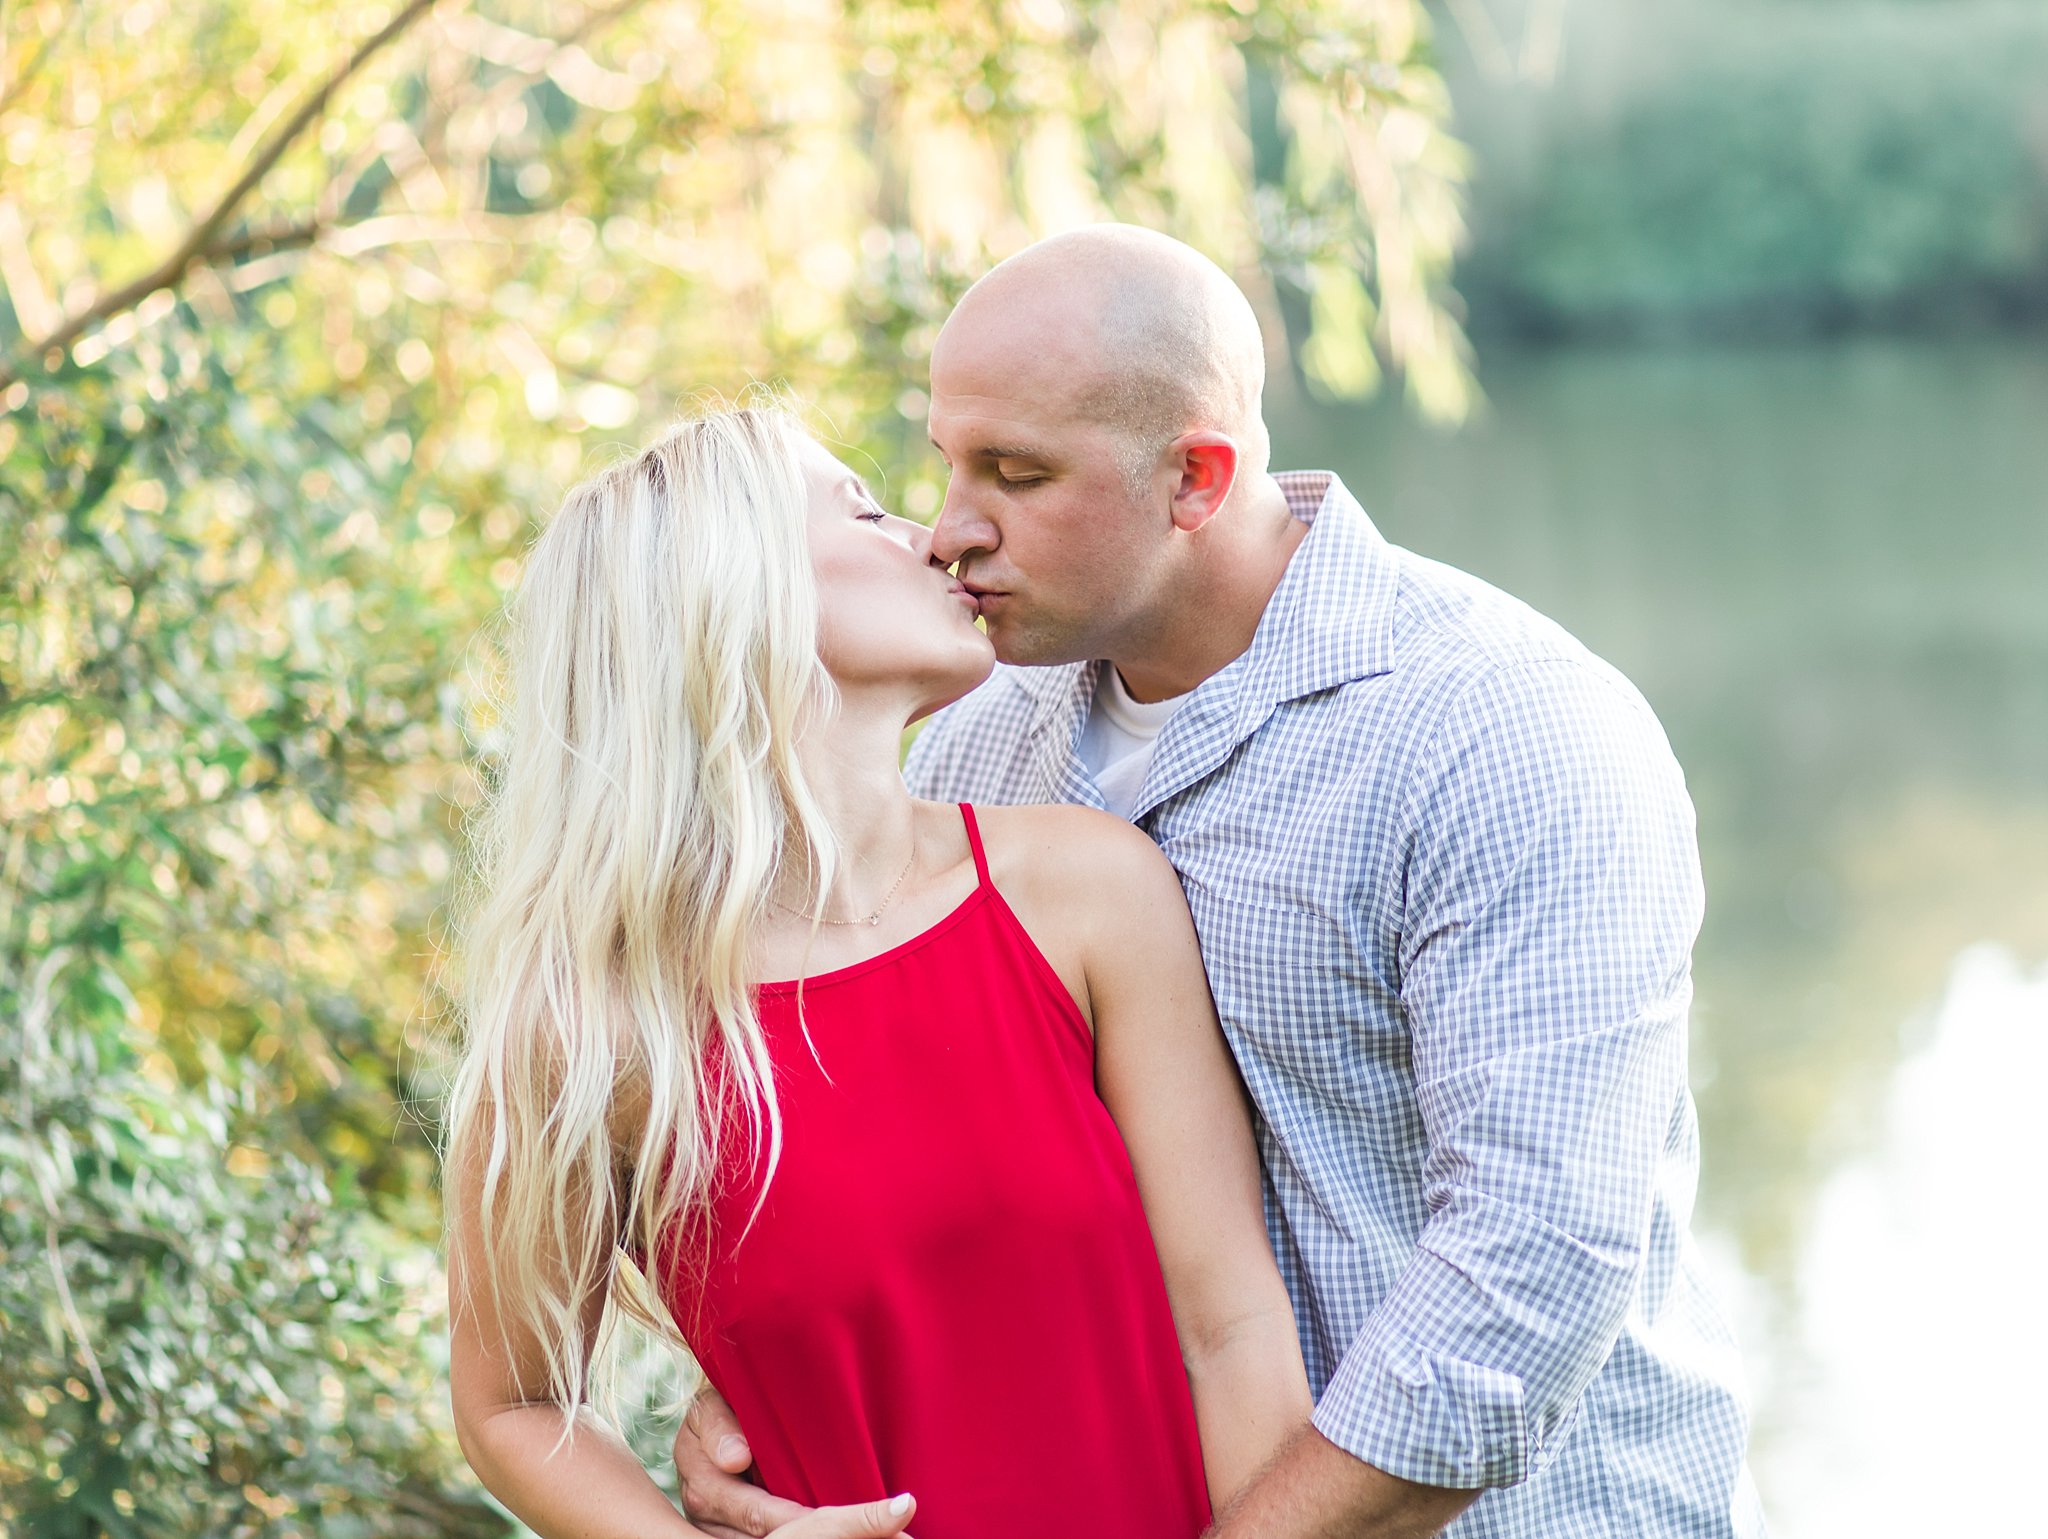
column 1118, row 739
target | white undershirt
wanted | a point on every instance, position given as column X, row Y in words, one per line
column 1117, row 742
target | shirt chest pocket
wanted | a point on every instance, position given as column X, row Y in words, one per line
column 1306, row 1014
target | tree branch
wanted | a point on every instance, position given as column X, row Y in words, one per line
column 270, row 238
column 202, row 246
column 199, row 239
column 16, row 87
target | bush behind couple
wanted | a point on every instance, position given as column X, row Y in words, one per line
column 1238, row 1079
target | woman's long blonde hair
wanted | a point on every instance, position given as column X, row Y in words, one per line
column 663, row 659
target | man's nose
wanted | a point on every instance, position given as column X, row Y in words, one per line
column 959, row 529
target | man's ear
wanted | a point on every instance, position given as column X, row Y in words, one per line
column 1208, row 470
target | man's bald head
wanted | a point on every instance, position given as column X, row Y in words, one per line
column 1164, row 342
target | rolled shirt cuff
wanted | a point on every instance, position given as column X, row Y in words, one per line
column 1433, row 1417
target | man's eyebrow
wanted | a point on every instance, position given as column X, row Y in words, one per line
column 1002, row 452
column 1010, row 452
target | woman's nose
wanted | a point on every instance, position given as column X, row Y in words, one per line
column 916, row 536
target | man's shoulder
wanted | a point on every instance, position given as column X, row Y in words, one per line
column 1455, row 632
column 1469, row 667
column 1507, row 704
column 1448, row 617
column 1443, row 624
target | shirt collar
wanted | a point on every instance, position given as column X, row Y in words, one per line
column 1331, row 620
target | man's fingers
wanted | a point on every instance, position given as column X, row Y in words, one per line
column 710, row 1432
column 711, row 1457
column 726, row 1504
column 725, row 1501
column 867, row 1520
column 711, row 1424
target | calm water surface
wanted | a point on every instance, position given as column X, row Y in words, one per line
column 1828, row 570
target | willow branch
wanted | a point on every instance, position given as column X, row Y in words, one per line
column 266, row 240
column 16, row 85
column 199, row 239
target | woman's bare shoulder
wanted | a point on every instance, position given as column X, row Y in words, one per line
column 1070, row 853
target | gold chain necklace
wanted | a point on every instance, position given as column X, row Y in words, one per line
column 876, row 917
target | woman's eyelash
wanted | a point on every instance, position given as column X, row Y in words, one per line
column 871, row 516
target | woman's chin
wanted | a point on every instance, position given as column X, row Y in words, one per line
column 972, row 671
column 975, row 666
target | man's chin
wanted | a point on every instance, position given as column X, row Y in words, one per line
column 1018, row 648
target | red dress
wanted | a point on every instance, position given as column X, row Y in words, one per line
column 951, row 1289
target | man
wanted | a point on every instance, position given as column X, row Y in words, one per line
column 1444, row 872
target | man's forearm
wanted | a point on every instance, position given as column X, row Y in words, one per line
column 1313, row 1489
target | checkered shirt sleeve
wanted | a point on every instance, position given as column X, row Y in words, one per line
column 1552, row 896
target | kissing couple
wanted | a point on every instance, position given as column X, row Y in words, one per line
column 1230, row 1079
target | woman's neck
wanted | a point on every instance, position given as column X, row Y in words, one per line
column 854, row 767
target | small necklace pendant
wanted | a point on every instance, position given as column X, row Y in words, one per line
column 873, row 920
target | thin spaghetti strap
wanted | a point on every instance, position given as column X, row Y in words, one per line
column 974, row 844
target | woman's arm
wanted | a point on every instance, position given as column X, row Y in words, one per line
column 1163, row 1070
column 591, row 1486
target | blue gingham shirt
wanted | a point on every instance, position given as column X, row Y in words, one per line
column 1443, row 867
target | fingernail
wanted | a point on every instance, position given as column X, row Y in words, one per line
column 730, row 1448
column 899, row 1506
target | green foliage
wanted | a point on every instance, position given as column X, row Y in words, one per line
column 1772, row 167
column 191, row 1350
column 259, row 504
column 221, row 707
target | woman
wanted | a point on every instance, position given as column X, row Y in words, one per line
column 824, row 1061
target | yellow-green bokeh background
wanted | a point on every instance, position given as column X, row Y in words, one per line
column 288, row 373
